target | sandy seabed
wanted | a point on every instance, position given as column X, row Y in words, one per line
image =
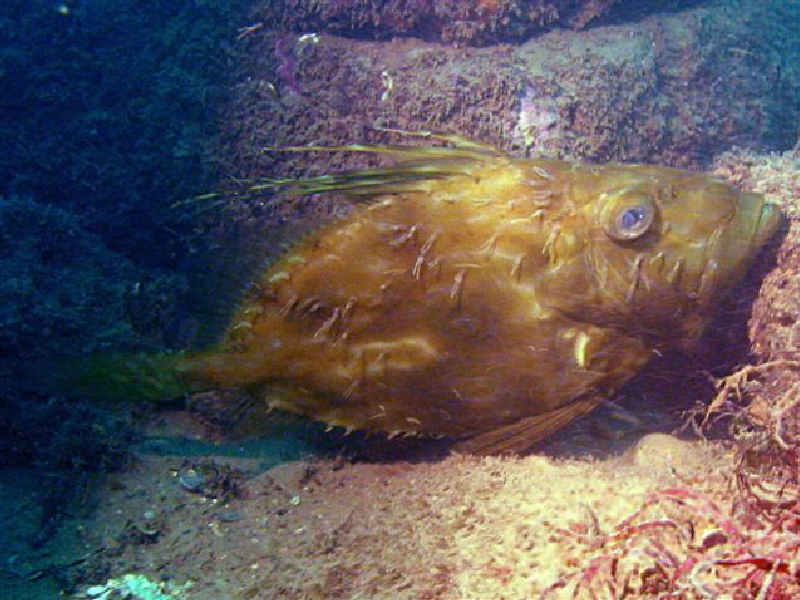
column 457, row 527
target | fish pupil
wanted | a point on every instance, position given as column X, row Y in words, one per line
column 632, row 217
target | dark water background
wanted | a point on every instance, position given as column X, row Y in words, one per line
column 110, row 114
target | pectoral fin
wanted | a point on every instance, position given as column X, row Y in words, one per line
column 523, row 434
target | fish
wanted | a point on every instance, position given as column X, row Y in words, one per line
column 473, row 295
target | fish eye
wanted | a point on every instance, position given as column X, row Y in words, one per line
column 630, row 219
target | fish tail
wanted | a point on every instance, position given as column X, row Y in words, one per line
column 151, row 377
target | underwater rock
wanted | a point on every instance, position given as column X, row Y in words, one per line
column 473, row 22
column 672, row 89
column 64, row 291
column 771, row 385
column 470, row 22
column 659, row 452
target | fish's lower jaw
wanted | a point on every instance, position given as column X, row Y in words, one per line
column 756, row 222
column 734, row 251
column 707, row 283
column 768, row 223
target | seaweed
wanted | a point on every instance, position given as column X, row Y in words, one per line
column 683, row 544
column 689, row 542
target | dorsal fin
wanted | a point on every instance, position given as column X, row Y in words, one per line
column 414, row 170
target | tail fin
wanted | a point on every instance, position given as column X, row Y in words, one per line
column 151, row 377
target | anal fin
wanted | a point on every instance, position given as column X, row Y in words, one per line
column 520, row 436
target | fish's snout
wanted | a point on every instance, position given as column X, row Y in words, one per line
column 755, row 224
column 769, row 221
column 756, row 221
column 733, row 247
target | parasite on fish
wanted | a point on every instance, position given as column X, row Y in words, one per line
column 473, row 295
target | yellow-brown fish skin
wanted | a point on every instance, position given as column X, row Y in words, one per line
column 494, row 304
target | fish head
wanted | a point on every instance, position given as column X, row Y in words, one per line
column 664, row 246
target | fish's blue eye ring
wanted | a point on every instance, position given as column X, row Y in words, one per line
column 630, row 220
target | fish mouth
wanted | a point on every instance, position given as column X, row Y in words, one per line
column 733, row 250
column 767, row 224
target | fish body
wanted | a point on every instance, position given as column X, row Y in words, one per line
column 482, row 297
column 470, row 294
